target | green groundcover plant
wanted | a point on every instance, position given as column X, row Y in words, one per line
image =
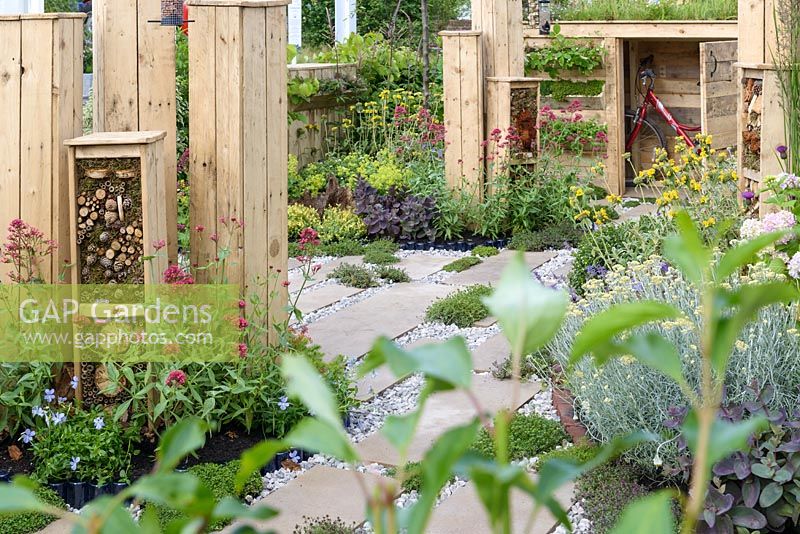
column 461, row 308
column 529, row 315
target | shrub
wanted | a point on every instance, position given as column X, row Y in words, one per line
column 484, row 251
column 382, row 245
column 528, row 436
column 551, row 237
column 461, row 308
column 579, row 453
column 220, row 480
column 29, row 522
column 376, row 257
column 624, row 396
column 340, row 224
column 346, row 247
column 462, row 264
column 300, row 218
column 617, row 244
column 564, row 54
column 392, row 274
column 756, row 488
column 324, row 525
column 309, row 181
column 395, row 214
column 102, row 447
column 606, row 491
column 353, row 276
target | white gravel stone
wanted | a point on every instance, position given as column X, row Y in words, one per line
column 541, row 404
column 550, row 272
column 580, row 523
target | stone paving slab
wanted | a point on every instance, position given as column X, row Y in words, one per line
column 494, row 349
column 636, row 212
column 393, row 312
column 490, row 271
column 296, row 279
column 383, row 378
column 444, row 411
column 421, row 265
column 486, row 322
column 59, row 526
column 318, row 492
column 316, row 299
column 464, row 512
column 293, row 263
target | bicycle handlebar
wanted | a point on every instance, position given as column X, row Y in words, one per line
column 647, row 73
column 646, row 62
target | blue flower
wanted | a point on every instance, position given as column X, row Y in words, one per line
column 38, row 411
column 27, row 436
column 49, row 395
column 295, row 457
column 99, row 423
column 664, row 267
column 58, row 418
column 74, row 382
column 284, row 403
column 73, row 464
column 62, row 400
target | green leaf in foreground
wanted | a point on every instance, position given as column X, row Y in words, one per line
column 528, row 313
column 254, row 458
column 305, row 383
column 15, row 498
column 599, row 332
column 725, row 439
column 317, row 435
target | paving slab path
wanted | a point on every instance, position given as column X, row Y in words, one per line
column 421, row 265
column 444, row 411
column 495, row 349
column 393, row 312
column 318, row 492
column 383, row 378
column 464, row 512
column 490, row 271
column 318, row 298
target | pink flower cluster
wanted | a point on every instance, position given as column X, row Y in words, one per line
column 25, row 247
column 774, row 222
column 177, row 276
column 176, row 378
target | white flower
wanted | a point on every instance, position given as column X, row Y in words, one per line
column 99, row 423
column 794, row 266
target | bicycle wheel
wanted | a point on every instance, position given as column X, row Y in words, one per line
column 644, row 149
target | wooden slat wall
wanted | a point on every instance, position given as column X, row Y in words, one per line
column 41, row 67
column 500, row 22
column 307, row 138
column 239, row 141
column 719, row 91
column 463, row 110
column 134, row 82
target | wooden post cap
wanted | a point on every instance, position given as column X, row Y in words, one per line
column 239, row 3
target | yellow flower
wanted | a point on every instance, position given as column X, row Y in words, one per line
column 614, row 199
column 711, row 221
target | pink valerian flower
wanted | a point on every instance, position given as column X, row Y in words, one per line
column 242, row 304
column 214, row 237
column 158, row 245
column 315, row 268
column 176, row 378
column 199, row 228
column 242, row 350
column 183, row 161
column 25, row 248
column 174, row 274
column 574, row 106
column 243, row 323
column 285, row 283
column 400, row 112
column 309, row 236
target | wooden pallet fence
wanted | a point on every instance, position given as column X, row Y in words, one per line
column 464, row 110
column 307, row 138
column 134, row 82
column 41, row 81
column 239, row 140
column 500, row 22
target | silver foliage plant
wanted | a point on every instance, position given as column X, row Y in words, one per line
column 625, row 395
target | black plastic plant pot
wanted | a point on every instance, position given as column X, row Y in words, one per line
column 5, row 476
column 461, row 246
column 410, row 245
column 103, row 489
column 347, row 421
column 60, row 489
column 118, row 487
column 79, row 493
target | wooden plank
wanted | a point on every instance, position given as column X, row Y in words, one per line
column 277, row 145
column 615, row 98
column 36, row 161
column 66, row 125
column 10, row 135
column 771, row 30
column 453, row 158
column 255, row 177
column 202, row 133
column 156, row 102
column 471, row 104
column 772, row 125
column 229, row 130
column 719, row 92
column 116, row 106
column 153, row 216
column 648, row 30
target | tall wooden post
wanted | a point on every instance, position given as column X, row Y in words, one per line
column 41, row 82
column 134, row 83
column 239, row 140
column 463, row 110
column 500, row 22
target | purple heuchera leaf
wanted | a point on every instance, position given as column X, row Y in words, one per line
column 748, row 518
column 751, row 489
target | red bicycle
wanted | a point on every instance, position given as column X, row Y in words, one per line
column 639, row 128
